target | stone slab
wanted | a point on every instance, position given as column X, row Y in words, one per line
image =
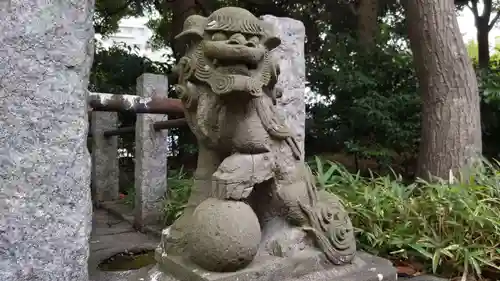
column 267, row 268
column 129, row 240
column 124, row 212
column 112, row 275
column 103, row 224
column 105, row 169
column 46, row 50
column 151, row 151
column 114, row 228
column 110, row 236
column 423, row 278
column 292, row 79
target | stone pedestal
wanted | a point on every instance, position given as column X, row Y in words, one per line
column 292, row 79
column 45, row 207
column 309, row 266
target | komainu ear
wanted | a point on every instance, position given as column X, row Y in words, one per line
column 192, row 30
column 271, row 42
column 270, row 39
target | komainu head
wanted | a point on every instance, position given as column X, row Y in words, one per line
column 229, row 52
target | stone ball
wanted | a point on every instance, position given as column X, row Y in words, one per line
column 224, row 235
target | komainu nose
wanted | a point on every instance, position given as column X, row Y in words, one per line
column 237, row 39
column 251, row 44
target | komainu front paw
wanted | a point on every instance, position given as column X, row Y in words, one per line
column 239, row 173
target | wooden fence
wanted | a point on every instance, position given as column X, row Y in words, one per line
column 151, row 140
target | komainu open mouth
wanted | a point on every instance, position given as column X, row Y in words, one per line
column 234, row 67
column 228, row 54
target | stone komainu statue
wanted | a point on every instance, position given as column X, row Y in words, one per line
column 253, row 194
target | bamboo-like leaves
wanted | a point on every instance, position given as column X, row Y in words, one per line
column 450, row 224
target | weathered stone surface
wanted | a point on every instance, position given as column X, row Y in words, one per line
column 225, row 235
column 45, row 57
column 306, row 268
column 283, row 240
column 105, row 169
column 292, row 79
column 150, row 155
column 425, row 278
column 149, row 274
column 113, row 275
column 111, row 235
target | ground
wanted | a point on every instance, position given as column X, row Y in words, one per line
column 111, row 235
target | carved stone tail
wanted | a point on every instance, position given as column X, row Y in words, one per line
column 328, row 223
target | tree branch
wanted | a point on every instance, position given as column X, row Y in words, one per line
column 159, row 7
column 256, row 2
column 473, row 8
column 266, row 7
column 204, row 10
column 494, row 20
column 487, row 9
column 117, row 10
column 353, row 9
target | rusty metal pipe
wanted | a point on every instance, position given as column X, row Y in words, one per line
column 130, row 103
column 169, row 124
column 158, row 126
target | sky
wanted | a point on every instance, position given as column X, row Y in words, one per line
column 468, row 29
column 465, row 21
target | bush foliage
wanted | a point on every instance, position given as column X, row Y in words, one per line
column 179, row 189
column 452, row 225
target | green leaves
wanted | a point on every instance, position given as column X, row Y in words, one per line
column 115, row 69
column 449, row 226
column 179, row 190
column 453, row 228
column 109, row 12
column 323, row 176
column 376, row 105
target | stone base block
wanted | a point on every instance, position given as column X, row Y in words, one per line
column 310, row 267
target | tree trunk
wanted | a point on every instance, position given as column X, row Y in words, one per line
column 367, row 23
column 451, row 128
column 483, row 45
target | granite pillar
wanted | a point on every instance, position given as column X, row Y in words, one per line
column 46, row 50
column 150, row 155
column 292, row 79
column 105, row 168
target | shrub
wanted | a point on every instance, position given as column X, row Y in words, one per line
column 178, row 191
column 452, row 226
column 179, row 188
column 129, row 198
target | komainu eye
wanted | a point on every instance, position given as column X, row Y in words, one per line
column 255, row 40
column 219, row 36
